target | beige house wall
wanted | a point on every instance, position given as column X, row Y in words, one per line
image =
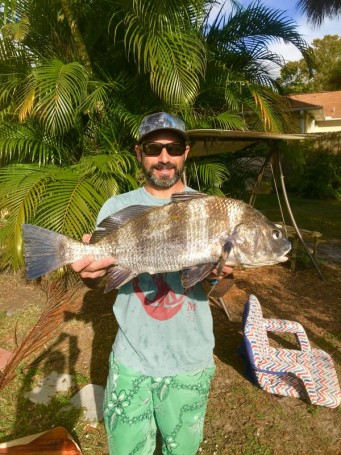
column 330, row 131
column 328, row 126
column 309, row 123
column 306, row 123
column 303, row 122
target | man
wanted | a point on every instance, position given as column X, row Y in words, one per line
column 162, row 360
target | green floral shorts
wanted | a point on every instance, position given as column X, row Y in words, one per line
column 136, row 405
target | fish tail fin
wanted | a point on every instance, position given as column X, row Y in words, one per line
column 44, row 250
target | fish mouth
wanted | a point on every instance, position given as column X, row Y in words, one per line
column 238, row 257
column 261, row 262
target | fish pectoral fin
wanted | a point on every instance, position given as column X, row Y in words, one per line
column 187, row 195
column 117, row 277
column 226, row 249
column 194, row 275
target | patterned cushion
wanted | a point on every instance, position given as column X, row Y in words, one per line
column 302, row 373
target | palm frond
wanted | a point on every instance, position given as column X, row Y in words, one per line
column 317, row 11
column 98, row 96
column 58, row 301
column 21, row 190
column 272, row 109
column 70, row 204
column 110, row 173
column 15, row 64
column 180, row 83
column 207, row 175
column 228, row 121
column 251, row 30
column 25, row 143
column 59, row 90
column 166, row 47
column 216, row 117
column 16, row 30
column 244, row 170
column 261, row 22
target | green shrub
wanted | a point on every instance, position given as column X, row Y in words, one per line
column 310, row 173
column 320, row 178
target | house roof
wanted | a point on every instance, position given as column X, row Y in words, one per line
column 328, row 103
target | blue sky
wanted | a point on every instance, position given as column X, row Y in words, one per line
column 308, row 32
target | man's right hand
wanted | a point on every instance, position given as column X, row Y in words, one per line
column 90, row 268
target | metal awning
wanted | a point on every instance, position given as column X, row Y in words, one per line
column 205, row 142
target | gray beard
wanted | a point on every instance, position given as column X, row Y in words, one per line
column 163, row 182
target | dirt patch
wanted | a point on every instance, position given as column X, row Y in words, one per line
column 16, row 294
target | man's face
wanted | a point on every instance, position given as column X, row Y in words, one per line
column 164, row 170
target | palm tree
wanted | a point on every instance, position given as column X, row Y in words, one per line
column 240, row 67
column 73, row 90
column 76, row 77
column 317, row 10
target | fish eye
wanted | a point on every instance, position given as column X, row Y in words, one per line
column 277, row 234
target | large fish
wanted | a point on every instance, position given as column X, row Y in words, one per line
column 193, row 234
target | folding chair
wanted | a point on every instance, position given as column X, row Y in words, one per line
column 302, row 373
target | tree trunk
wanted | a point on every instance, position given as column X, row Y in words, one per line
column 76, row 35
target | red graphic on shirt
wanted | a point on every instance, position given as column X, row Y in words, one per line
column 165, row 304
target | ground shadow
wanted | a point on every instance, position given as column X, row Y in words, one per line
column 64, row 351
column 97, row 310
column 228, row 339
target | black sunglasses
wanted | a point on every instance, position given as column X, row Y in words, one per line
column 155, row 148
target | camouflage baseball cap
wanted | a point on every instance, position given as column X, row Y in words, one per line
column 161, row 121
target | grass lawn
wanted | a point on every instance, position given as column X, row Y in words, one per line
column 315, row 215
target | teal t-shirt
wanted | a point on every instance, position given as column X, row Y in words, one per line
column 163, row 329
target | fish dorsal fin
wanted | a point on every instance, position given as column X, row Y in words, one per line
column 192, row 276
column 118, row 219
column 187, row 196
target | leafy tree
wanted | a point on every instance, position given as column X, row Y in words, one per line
column 76, row 78
column 317, row 10
column 296, row 77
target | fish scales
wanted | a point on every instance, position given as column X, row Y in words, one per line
column 162, row 240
